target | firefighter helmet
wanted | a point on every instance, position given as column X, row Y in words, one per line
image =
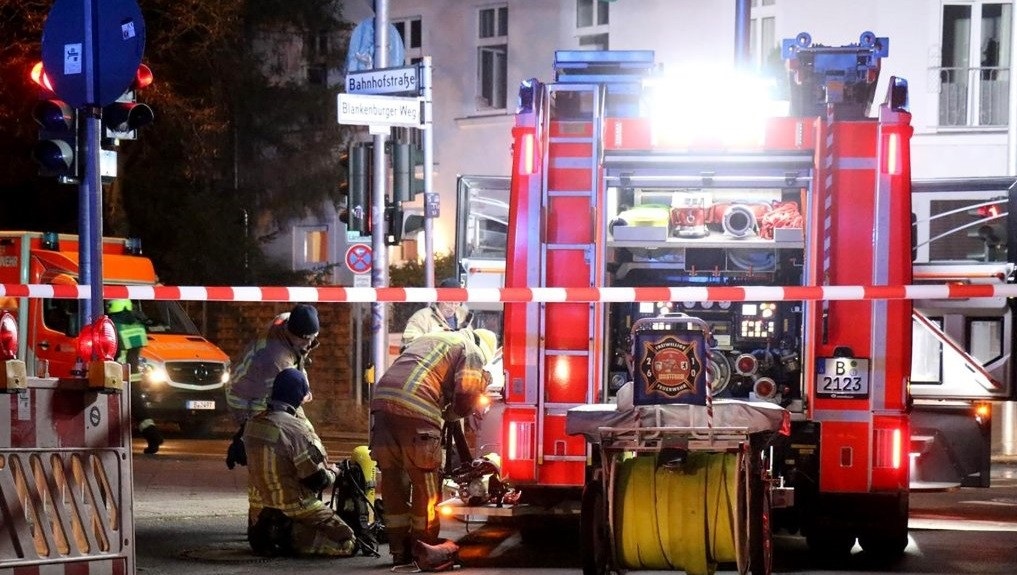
column 487, row 341
column 119, row 305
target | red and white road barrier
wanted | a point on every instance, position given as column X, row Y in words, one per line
column 547, row 294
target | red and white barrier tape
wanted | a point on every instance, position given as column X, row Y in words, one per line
column 547, row 294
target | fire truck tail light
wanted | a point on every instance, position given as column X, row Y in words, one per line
column 889, row 448
column 519, row 440
column 892, row 161
column 8, row 336
column 513, row 441
column 527, row 152
column 983, row 411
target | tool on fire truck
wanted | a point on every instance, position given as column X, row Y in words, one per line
column 13, row 375
column 475, row 480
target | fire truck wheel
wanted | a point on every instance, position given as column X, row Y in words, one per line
column 830, row 545
column 595, row 540
column 884, row 546
column 759, row 521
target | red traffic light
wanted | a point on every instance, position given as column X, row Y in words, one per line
column 54, row 115
column 38, row 75
column 143, row 78
column 98, row 340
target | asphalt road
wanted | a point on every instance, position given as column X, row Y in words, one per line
column 189, row 518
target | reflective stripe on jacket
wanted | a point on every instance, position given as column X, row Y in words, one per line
column 424, row 380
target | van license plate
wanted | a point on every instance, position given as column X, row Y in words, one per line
column 208, row 404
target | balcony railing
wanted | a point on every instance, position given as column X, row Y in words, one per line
column 974, row 96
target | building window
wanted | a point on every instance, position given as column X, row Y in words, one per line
column 591, row 13
column 591, row 24
column 974, row 67
column 410, row 30
column 492, row 58
column 311, row 247
column 763, row 48
column 318, row 58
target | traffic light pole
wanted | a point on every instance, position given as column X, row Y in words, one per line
column 90, row 217
column 428, row 174
column 379, row 266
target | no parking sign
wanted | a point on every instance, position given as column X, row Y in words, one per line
column 358, row 258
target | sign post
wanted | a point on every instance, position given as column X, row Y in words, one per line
column 91, row 50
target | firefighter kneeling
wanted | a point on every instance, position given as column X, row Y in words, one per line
column 287, row 468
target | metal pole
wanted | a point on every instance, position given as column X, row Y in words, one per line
column 1008, row 409
column 92, row 184
column 358, row 352
column 90, row 188
column 428, row 173
column 379, row 268
column 743, row 23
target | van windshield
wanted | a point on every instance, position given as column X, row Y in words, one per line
column 166, row 317
column 160, row 316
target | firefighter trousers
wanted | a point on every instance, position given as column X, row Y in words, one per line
column 408, row 452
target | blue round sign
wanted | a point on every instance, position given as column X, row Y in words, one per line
column 358, row 258
column 91, row 49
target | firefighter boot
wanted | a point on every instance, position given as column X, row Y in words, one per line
column 151, row 434
column 399, row 547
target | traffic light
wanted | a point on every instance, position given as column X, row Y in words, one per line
column 57, row 149
column 121, row 119
column 356, row 189
column 405, row 160
column 393, row 223
column 991, row 231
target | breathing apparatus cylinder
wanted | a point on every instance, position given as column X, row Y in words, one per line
column 361, row 455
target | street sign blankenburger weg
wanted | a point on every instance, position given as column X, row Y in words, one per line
column 367, row 110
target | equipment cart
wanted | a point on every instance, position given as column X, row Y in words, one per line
column 677, row 480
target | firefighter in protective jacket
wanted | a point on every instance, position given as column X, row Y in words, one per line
column 131, row 337
column 439, row 377
column 289, row 341
column 438, row 316
column 287, row 467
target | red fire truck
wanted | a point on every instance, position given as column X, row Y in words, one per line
column 608, row 192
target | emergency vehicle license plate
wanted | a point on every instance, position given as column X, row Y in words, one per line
column 205, row 404
column 842, row 377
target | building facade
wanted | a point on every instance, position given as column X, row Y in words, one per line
column 955, row 54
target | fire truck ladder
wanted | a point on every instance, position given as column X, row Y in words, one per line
column 568, row 250
column 588, row 83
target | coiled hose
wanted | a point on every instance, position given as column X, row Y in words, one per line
column 680, row 517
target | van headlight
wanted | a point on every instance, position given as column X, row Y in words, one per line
column 154, row 375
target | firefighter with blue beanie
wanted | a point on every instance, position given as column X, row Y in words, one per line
column 290, row 339
column 287, row 468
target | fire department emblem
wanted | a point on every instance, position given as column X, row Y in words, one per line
column 670, row 366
